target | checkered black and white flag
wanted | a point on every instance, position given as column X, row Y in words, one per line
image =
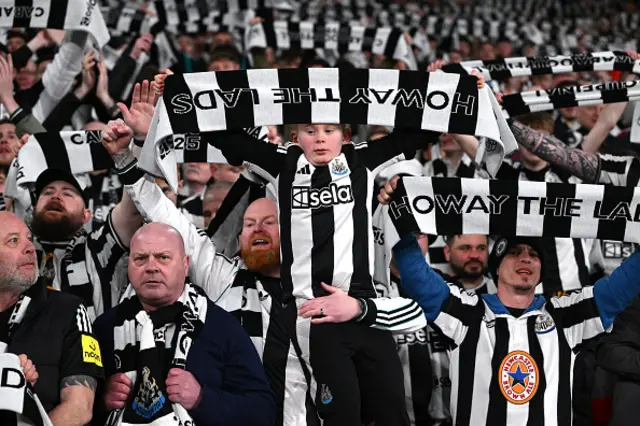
column 333, row 36
column 201, row 103
column 448, row 206
column 522, row 66
column 78, row 15
column 75, row 152
column 575, row 96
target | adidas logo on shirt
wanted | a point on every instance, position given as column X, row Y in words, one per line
column 306, row 170
column 303, row 197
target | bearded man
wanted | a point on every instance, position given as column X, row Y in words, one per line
column 89, row 266
column 468, row 257
column 249, row 287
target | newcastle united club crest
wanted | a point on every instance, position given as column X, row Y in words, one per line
column 149, row 399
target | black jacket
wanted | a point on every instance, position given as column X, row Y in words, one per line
column 56, row 336
column 619, row 351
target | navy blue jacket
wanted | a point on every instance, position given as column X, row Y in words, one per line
column 225, row 363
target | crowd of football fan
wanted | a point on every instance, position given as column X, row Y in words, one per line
column 85, row 230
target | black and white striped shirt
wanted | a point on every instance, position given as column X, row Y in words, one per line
column 325, row 212
column 566, row 260
column 258, row 303
column 508, row 367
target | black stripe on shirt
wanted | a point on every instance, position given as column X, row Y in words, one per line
column 285, row 183
column 497, row 413
column 467, row 373
column 576, row 313
column 536, row 404
column 323, row 229
column 361, row 280
column 565, row 408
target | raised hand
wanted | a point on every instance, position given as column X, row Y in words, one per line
column 102, row 86
column 142, row 44
column 387, row 190
column 138, row 117
column 6, row 78
column 435, row 65
column 116, row 137
column 88, row 76
column 480, row 78
column 158, row 82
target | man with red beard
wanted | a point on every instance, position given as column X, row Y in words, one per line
column 249, row 287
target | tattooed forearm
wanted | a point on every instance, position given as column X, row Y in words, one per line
column 79, row 380
column 577, row 162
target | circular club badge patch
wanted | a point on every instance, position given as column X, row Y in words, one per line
column 519, row 377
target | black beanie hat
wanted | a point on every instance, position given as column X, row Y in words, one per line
column 502, row 246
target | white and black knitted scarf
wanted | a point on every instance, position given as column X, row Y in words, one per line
column 146, row 346
column 77, row 15
column 195, row 106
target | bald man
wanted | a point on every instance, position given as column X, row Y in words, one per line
column 248, row 286
column 210, row 369
column 51, row 328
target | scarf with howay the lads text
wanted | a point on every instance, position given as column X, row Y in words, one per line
column 451, row 206
column 200, row 104
column 147, row 345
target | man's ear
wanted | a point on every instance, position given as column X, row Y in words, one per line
column 87, row 215
column 186, row 265
column 447, row 253
column 294, row 136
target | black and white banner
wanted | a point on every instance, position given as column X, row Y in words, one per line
column 76, row 152
column 500, row 69
column 573, row 96
column 448, row 206
column 201, row 103
column 77, row 15
column 342, row 38
column 17, row 396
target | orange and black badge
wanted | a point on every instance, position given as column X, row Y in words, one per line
column 519, row 377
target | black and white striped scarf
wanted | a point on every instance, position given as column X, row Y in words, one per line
column 77, row 15
column 76, row 152
column 333, row 36
column 19, row 405
column 202, row 103
column 143, row 351
column 500, row 69
column 572, row 96
column 452, row 206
